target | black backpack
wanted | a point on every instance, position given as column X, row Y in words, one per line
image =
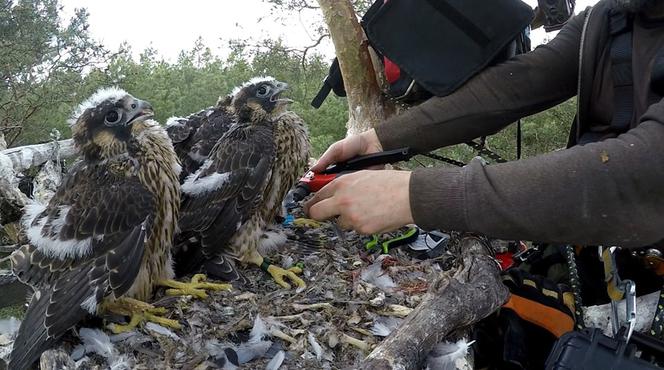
column 432, row 47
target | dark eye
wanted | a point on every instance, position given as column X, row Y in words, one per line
column 262, row 91
column 112, row 117
column 133, row 106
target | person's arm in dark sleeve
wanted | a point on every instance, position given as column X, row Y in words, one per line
column 608, row 193
column 493, row 99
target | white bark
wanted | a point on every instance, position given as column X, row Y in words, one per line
column 47, row 181
column 366, row 105
column 16, row 160
column 11, row 199
column 25, row 157
column 600, row 316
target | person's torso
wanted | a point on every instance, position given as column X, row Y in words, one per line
column 598, row 94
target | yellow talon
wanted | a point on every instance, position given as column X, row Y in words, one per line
column 139, row 312
column 295, row 270
column 278, row 274
column 307, row 222
column 195, row 288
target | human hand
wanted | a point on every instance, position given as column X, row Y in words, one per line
column 352, row 146
column 368, row 202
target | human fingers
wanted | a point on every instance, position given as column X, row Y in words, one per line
column 338, row 152
column 326, row 192
column 324, row 210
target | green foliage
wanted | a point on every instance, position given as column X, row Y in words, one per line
column 541, row 133
column 51, row 68
column 12, row 311
column 198, row 78
column 41, row 59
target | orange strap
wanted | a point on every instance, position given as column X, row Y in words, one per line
column 555, row 321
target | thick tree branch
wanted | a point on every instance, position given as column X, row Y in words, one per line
column 457, row 300
column 24, row 157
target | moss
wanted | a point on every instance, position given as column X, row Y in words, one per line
column 16, row 311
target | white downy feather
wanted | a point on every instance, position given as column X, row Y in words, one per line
column 259, row 330
column 254, row 80
column 9, row 327
column 8, row 330
column 448, row 355
column 276, row 361
column 270, row 241
column 255, row 347
column 249, row 351
column 96, row 341
column 111, row 94
column 52, row 247
column 174, row 120
column 194, row 185
column 318, row 350
column 383, row 326
column 158, row 329
column 375, row 275
column 121, row 363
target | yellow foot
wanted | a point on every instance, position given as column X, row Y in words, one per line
column 139, row 312
column 307, row 222
column 278, row 274
column 195, row 288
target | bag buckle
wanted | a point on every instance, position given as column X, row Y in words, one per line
column 618, row 291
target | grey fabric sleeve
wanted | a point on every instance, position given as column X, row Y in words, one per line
column 609, row 193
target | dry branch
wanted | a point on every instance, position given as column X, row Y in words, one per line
column 456, row 300
column 25, row 157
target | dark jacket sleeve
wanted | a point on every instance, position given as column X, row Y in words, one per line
column 493, row 99
column 608, row 193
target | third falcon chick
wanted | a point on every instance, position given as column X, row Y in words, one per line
column 194, row 136
column 237, row 192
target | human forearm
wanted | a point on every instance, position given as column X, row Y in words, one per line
column 610, row 192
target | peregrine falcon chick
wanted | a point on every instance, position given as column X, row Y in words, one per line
column 239, row 189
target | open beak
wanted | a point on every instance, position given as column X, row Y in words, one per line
column 142, row 112
column 276, row 95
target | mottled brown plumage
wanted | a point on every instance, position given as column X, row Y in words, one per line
column 238, row 191
column 107, row 232
column 194, row 136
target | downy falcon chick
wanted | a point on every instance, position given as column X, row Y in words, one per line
column 106, row 234
column 194, row 136
column 239, row 189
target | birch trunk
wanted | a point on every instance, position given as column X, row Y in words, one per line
column 367, row 106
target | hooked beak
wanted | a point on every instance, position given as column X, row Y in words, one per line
column 142, row 112
column 281, row 87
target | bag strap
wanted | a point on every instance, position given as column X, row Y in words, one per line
column 620, row 28
column 332, row 82
column 322, row 95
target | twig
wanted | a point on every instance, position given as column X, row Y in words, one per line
column 361, row 331
column 314, row 306
column 347, row 339
column 281, row 335
column 288, row 317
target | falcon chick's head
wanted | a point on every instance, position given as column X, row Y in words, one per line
column 102, row 124
column 259, row 99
